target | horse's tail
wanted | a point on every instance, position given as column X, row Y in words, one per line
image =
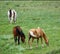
column 45, row 38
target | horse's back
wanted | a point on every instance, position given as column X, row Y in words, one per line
column 36, row 32
column 39, row 31
column 32, row 30
column 12, row 13
column 14, row 31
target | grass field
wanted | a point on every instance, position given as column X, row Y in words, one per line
column 30, row 14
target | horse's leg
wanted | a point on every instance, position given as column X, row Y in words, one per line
column 37, row 42
column 15, row 39
column 32, row 40
column 11, row 19
column 29, row 40
column 31, row 43
column 14, row 19
column 18, row 40
column 42, row 42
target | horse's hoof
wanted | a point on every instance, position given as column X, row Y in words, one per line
column 36, row 46
column 42, row 45
column 31, row 47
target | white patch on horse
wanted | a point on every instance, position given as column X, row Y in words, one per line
column 31, row 33
column 13, row 16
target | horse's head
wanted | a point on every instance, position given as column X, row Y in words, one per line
column 47, row 43
column 22, row 37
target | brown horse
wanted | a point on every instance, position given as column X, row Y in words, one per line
column 18, row 33
column 36, row 34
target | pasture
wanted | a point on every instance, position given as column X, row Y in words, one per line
column 30, row 14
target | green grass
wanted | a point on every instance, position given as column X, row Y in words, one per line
column 30, row 14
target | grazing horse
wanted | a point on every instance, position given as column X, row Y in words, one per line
column 12, row 15
column 18, row 33
column 36, row 34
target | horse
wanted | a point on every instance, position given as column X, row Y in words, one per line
column 18, row 33
column 12, row 15
column 37, row 33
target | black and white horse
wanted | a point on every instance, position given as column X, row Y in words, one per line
column 12, row 15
